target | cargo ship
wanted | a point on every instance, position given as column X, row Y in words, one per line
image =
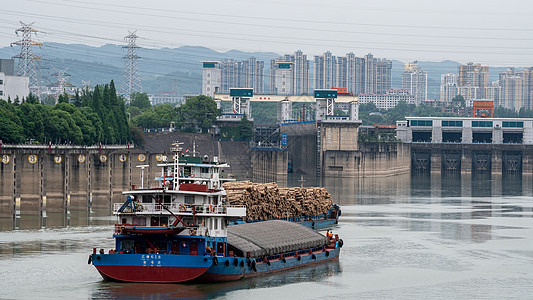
column 181, row 232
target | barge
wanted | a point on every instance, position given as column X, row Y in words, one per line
column 183, row 231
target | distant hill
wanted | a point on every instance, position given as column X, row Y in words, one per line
column 179, row 69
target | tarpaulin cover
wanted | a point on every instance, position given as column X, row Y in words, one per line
column 272, row 237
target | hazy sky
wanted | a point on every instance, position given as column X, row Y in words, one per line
column 497, row 33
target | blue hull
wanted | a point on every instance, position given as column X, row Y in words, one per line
column 169, row 268
column 235, row 268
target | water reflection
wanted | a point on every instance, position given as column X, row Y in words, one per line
column 511, row 185
column 456, row 206
column 116, row 290
column 74, row 218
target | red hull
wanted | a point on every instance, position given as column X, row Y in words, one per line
column 150, row 274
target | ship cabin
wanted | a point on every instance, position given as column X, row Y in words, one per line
column 183, row 212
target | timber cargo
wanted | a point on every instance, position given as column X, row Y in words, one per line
column 310, row 206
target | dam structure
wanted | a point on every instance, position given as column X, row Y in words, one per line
column 469, row 145
column 325, row 146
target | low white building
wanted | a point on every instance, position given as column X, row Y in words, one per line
column 465, row 130
column 388, row 100
column 14, row 86
column 165, row 98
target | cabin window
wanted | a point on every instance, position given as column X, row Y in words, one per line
column 187, row 171
column 147, row 199
column 215, row 227
column 154, row 221
column 166, row 199
column 189, row 199
column 126, row 245
column 161, row 246
column 204, row 170
column 163, row 221
column 139, row 221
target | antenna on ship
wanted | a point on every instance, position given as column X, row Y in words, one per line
column 176, row 147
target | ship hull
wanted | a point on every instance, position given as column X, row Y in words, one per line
column 170, row 268
column 235, row 270
column 155, row 268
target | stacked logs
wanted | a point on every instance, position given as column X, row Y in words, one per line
column 268, row 201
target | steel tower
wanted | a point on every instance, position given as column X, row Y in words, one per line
column 131, row 82
column 62, row 81
column 26, row 63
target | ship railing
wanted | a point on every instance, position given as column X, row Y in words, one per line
column 229, row 210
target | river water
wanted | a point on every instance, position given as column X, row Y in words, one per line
column 404, row 237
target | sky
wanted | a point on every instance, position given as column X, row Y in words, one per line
column 495, row 33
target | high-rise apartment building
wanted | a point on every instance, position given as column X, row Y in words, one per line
column 415, row 81
column 358, row 75
column 370, row 74
column 492, row 92
column 527, row 90
column 325, row 71
column 300, row 73
column 251, row 75
column 355, row 80
column 299, row 69
column 383, row 75
column 448, row 87
column 516, row 89
column 230, row 75
column 474, row 75
column 377, row 75
column 225, row 75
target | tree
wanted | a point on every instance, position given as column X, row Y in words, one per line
column 49, row 100
column 141, row 101
column 77, row 99
column 246, row 128
column 137, row 135
column 32, row 99
column 63, row 98
column 458, row 101
column 198, row 112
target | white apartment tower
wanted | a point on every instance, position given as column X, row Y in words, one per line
column 211, row 77
column 282, row 78
column 325, row 71
column 299, row 72
column 415, row 81
column 448, row 87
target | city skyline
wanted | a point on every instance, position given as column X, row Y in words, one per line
column 490, row 33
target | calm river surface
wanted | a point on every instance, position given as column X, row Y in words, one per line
column 404, row 237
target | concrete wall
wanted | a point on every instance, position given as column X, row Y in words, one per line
column 7, row 184
column 235, row 153
column 35, row 179
column 29, row 185
column 270, row 166
column 301, row 146
column 339, row 136
column 54, row 182
column 371, row 160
